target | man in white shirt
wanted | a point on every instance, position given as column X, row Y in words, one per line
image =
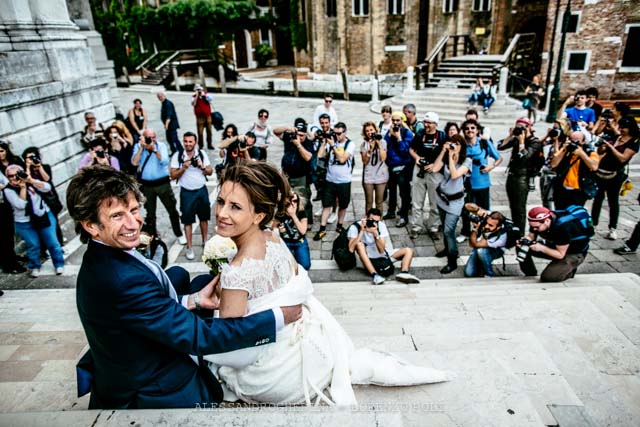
column 191, row 168
column 326, row 108
column 370, row 240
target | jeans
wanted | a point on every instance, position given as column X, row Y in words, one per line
column 449, row 223
column 517, row 193
column 488, row 101
column 32, row 238
column 173, row 140
column 300, row 251
column 400, row 180
column 610, row 187
column 480, row 260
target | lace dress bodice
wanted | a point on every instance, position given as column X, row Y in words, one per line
column 261, row 276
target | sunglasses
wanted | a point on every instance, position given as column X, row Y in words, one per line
column 328, row 101
column 338, row 133
column 266, row 116
column 470, row 128
column 11, row 176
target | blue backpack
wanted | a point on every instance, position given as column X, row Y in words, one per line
column 578, row 215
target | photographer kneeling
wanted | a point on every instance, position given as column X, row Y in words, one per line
column 565, row 236
column 489, row 226
column 370, row 240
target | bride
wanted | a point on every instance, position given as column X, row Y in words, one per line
column 311, row 356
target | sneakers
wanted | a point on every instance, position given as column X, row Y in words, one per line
column 401, row 222
column 319, row 235
column 182, row 240
column 378, row 279
column 35, row 272
column 332, row 218
column 625, row 250
column 612, row 235
column 434, row 232
column 389, row 215
column 189, row 254
column 59, row 271
column 413, row 233
column 461, row 238
column 407, row 278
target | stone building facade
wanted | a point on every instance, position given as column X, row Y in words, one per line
column 49, row 79
column 602, row 48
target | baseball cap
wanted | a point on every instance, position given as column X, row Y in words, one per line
column 301, row 127
column 197, row 87
column 431, row 117
column 538, row 214
column 524, row 121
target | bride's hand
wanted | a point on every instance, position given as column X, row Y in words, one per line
column 210, row 294
column 291, row 313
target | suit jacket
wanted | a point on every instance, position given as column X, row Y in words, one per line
column 168, row 111
column 141, row 339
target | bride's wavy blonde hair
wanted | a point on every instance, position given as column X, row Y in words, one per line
column 268, row 190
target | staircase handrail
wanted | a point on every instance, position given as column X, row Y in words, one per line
column 442, row 43
column 146, row 61
column 512, row 45
column 431, row 59
column 517, row 57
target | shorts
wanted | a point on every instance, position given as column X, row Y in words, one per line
column 341, row 191
column 194, row 202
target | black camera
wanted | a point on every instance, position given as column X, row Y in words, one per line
column 599, row 142
column 607, row 115
column 555, row 133
column 523, row 250
column 370, row 223
column 22, row 175
column 35, row 159
column 571, row 146
column 377, row 137
column 242, row 144
column 101, row 154
column 423, row 163
column 476, row 219
column 194, row 160
column 452, row 146
column 396, row 128
column 519, row 130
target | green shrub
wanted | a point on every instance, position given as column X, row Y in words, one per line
column 263, row 53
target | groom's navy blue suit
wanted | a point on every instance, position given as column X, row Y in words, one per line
column 140, row 338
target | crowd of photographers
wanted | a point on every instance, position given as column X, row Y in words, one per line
column 408, row 162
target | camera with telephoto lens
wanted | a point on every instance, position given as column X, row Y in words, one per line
column 101, row 154
column 22, row 175
column 571, row 146
column 523, row 250
column 287, row 137
column 519, row 130
column 476, row 219
column 370, row 223
column 423, row 163
column 555, row 133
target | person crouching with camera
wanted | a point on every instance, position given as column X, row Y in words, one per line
column 561, row 236
column 488, row 239
column 98, row 155
column 370, row 239
column 292, row 225
column 573, row 163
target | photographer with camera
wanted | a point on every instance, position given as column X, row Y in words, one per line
column 425, row 147
column 201, row 103
column 191, row 168
column 151, row 157
column 370, row 239
column 340, row 153
column 293, row 225
column 98, row 155
column 296, row 161
column 238, row 146
column 580, row 116
column 614, row 158
column 561, row 236
column 375, row 176
column 320, row 132
column 34, row 221
column 400, row 165
column 488, row 240
column 555, row 137
column 574, row 163
column 526, row 160
column 120, row 145
column 92, row 130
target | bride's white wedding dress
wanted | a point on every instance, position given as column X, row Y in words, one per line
column 310, row 356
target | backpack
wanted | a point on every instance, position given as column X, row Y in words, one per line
column 345, row 259
column 513, row 233
column 351, row 159
column 578, row 215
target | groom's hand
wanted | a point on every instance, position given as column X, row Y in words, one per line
column 209, row 295
column 291, row 313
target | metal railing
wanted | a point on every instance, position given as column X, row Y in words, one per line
column 523, row 61
column 446, row 46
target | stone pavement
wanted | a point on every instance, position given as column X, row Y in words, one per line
column 525, row 353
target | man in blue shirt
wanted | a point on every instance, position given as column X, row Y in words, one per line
column 479, row 182
column 151, row 158
column 580, row 115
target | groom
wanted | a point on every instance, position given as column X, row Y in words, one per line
column 140, row 333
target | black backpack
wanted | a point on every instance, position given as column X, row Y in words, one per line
column 513, row 233
column 345, row 259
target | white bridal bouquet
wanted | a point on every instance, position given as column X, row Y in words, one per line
column 217, row 251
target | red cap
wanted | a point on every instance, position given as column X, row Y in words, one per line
column 524, row 121
column 539, row 214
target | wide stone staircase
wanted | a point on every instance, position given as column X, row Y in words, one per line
column 523, row 353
